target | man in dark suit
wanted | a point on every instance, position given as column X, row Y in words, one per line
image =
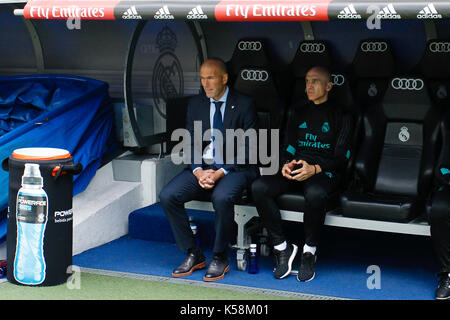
column 210, row 176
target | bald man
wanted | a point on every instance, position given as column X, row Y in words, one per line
column 212, row 174
column 315, row 152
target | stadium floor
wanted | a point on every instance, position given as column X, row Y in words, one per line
column 354, row 264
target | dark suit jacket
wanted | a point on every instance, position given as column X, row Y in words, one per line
column 240, row 113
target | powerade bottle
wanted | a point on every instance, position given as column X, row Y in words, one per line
column 253, row 260
column 32, row 212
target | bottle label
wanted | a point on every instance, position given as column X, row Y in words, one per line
column 29, row 262
column 32, row 208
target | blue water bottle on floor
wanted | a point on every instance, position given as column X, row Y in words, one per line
column 253, row 260
column 32, row 212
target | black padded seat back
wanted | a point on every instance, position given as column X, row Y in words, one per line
column 406, row 122
column 435, row 67
column 176, row 110
column 310, row 53
column 397, row 155
column 260, row 84
column 435, row 62
column 399, row 167
column 406, row 98
column 416, row 106
column 372, row 66
column 248, row 52
column 342, row 94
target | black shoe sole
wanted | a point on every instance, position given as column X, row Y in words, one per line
column 199, row 266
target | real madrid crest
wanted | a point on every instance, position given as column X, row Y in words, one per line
column 403, row 134
column 372, row 91
column 167, row 81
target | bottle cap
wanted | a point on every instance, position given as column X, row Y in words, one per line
column 32, row 175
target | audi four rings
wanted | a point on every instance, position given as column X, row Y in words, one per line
column 374, row 46
column 312, row 47
column 440, row 47
column 254, row 75
column 249, row 45
column 338, row 79
column 407, row 84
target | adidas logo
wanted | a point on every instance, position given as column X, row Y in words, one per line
column 349, row 12
column 197, row 13
column 303, row 126
column 388, row 12
column 429, row 12
column 131, row 13
column 163, row 14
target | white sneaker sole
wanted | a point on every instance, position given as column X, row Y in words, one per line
column 308, row 279
column 291, row 260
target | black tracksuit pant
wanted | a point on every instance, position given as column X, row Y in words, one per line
column 316, row 191
column 440, row 227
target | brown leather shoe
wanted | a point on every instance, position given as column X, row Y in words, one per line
column 217, row 269
column 191, row 263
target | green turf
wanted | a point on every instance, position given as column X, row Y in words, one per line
column 101, row 287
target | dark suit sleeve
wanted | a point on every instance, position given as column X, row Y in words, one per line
column 248, row 120
column 195, row 148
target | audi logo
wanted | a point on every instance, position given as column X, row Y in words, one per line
column 249, row 45
column 312, row 47
column 440, row 47
column 407, row 84
column 254, row 75
column 338, row 79
column 374, row 46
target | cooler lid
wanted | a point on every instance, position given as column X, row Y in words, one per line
column 40, row 154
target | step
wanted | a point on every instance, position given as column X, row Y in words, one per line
column 127, row 183
column 100, row 213
column 150, row 223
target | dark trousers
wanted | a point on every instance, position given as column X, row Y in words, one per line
column 316, row 190
column 184, row 188
column 440, row 227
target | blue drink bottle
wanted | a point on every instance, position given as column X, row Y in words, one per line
column 253, row 260
column 32, row 212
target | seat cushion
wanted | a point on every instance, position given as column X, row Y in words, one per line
column 380, row 206
column 296, row 202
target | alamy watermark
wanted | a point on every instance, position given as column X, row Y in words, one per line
column 374, row 280
column 74, row 280
column 249, row 147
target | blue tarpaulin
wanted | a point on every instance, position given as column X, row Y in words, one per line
column 56, row 111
